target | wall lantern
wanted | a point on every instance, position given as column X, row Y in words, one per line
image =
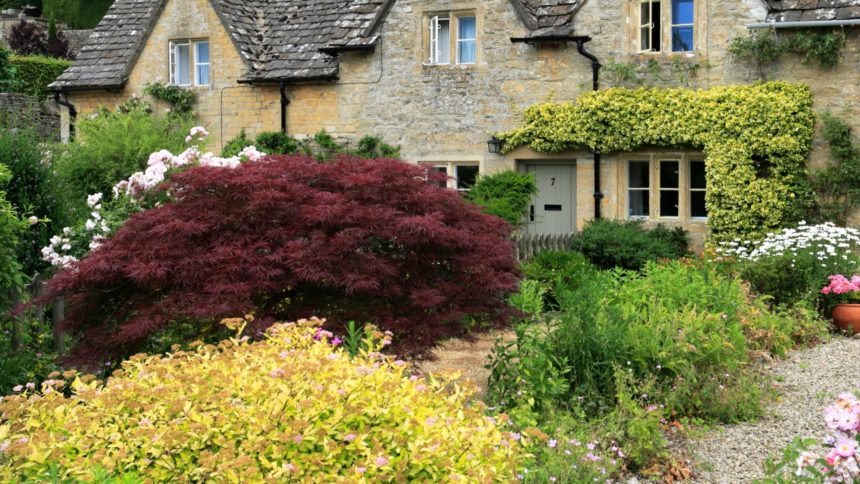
column 494, row 145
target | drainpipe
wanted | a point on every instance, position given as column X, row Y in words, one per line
column 595, row 75
column 73, row 113
column 284, row 103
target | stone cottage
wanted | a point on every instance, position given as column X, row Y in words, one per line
column 439, row 77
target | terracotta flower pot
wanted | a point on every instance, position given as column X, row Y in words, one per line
column 847, row 317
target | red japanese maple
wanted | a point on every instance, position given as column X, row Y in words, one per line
column 287, row 237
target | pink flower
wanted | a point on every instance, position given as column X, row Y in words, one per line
column 349, row 437
column 18, row 389
column 298, row 439
column 289, row 467
column 845, row 447
column 381, row 461
column 361, row 470
column 31, row 386
column 552, row 443
column 336, row 341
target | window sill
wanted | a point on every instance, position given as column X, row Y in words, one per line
column 449, row 66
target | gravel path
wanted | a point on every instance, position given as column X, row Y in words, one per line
column 808, row 381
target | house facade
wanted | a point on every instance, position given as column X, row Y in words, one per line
column 439, row 77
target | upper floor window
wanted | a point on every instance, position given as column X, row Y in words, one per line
column 453, row 37
column 655, row 21
column 189, row 62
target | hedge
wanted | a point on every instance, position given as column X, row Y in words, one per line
column 33, row 74
column 756, row 139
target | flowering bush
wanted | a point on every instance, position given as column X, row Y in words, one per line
column 841, row 463
column 291, row 408
column 795, row 262
column 842, row 290
column 363, row 240
column 129, row 198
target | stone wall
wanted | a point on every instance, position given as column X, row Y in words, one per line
column 19, row 110
column 446, row 113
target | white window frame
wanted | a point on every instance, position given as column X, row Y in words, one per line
column 673, row 25
column 684, row 189
column 433, row 43
column 197, row 64
column 173, row 60
column 463, row 40
column 450, row 168
column 649, row 26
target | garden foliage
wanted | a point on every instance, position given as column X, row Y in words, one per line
column 681, row 326
column 292, row 408
column 795, row 263
column 627, row 244
column 34, row 73
column 112, row 146
column 32, row 190
column 756, row 138
column 11, row 230
column 322, row 146
column 837, row 186
column 290, row 237
column 506, row 194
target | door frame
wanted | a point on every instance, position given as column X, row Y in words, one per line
column 523, row 167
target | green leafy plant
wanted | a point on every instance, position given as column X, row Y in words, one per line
column 553, row 271
column 33, row 74
column 627, row 244
column 322, row 146
column 7, row 71
column 738, row 127
column 837, row 186
column 505, row 194
column 276, row 143
column 763, row 48
column 181, row 100
column 237, row 144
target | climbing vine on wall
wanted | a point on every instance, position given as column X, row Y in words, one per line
column 764, row 48
column 756, row 140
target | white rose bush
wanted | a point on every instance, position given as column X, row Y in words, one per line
column 135, row 195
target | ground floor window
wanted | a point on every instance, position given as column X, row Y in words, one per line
column 662, row 186
column 461, row 175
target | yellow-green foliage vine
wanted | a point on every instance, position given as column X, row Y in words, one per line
column 756, row 139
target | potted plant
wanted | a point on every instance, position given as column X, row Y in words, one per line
column 843, row 296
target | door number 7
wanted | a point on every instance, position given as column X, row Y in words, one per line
column 553, row 182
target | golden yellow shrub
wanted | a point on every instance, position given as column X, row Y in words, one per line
column 291, row 408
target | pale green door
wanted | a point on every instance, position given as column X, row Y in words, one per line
column 553, row 210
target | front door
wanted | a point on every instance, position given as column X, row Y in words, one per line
column 553, row 210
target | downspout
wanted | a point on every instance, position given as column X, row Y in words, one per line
column 595, row 75
column 284, row 102
column 73, row 113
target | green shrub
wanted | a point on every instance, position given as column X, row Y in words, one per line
column 276, row 143
column 111, row 146
column 237, row 144
column 7, row 72
column 627, row 244
column 33, row 190
column 681, row 325
column 181, row 100
column 33, row 74
column 506, row 194
column 552, row 269
column 30, row 364
column 11, row 230
column 78, row 14
column 374, row 147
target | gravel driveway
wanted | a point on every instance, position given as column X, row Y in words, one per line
column 808, row 381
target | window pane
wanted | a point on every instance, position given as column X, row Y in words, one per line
column 645, row 26
column 682, row 39
column 466, row 176
column 467, row 51
column 638, row 201
column 467, row 28
column 668, row 174
column 444, row 44
column 697, row 174
column 655, row 30
column 697, row 204
column 183, row 64
column 682, row 12
column 203, row 75
column 668, row 203
column 638, row 174
column 201, row 55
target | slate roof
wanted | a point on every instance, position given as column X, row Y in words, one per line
column 277, row 39
column 547, row 18
column 812, row 10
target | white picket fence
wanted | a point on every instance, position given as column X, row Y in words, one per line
column 528, row 245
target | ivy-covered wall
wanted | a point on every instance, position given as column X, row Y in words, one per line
column 757, row 140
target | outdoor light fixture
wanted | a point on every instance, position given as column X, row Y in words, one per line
column 494, row 145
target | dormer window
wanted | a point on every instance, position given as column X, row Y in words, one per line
column 452, row 36
column 189, row 62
